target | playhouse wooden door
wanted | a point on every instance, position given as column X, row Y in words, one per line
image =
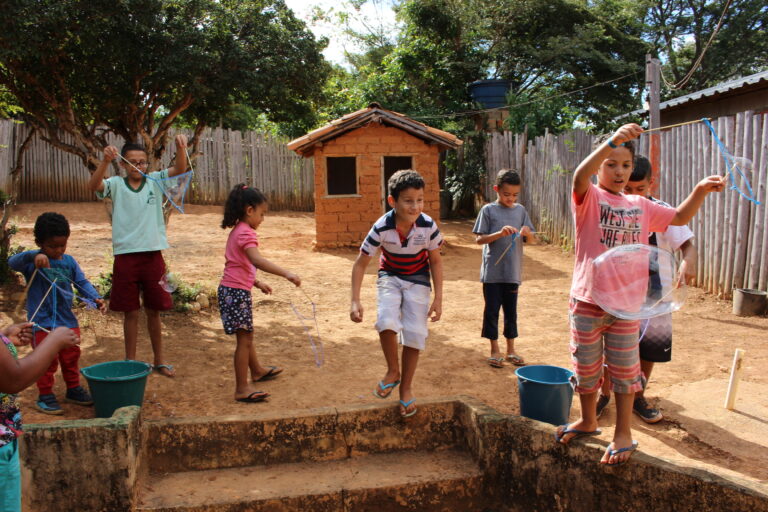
column 392, row 164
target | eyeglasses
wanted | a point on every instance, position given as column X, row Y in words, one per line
column 139, row 164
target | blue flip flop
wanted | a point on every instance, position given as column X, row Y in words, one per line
column 576, row 433
column 168, row 367
column 405, row 406
column 391, row 387
column 622, row 450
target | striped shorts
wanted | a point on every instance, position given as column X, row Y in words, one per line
column 597, row 336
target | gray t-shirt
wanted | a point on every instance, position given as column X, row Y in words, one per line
column 491, row 219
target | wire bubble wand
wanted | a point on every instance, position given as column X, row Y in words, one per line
column 182, row 182
column 732, row 164
column 317, row 345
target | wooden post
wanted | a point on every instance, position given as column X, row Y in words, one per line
column 733, row 383
column 652, row 77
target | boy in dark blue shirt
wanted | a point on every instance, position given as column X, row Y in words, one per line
column 50, row 275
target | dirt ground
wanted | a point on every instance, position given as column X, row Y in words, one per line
column 690, row 390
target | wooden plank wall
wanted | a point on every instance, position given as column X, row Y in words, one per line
column 225, row 158
column 731, row 232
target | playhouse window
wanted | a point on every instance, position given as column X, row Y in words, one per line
column 342, row 175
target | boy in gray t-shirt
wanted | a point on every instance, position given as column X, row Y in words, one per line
column 499, row 227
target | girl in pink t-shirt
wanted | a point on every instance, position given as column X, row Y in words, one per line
column 244, row 212
column 604, row 218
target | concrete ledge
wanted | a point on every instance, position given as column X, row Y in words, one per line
column 175, row 445
column 94, row 465
column 88, row 465
column 544, row 476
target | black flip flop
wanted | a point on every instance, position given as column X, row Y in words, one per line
column 271, row 374
column 251, row 399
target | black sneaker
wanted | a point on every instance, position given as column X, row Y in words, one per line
column 645, row 411
column 79, row 396
column 48, row 404
column 602, row 401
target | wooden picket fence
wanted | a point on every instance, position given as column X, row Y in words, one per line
column 731, row 231
column 225, row 158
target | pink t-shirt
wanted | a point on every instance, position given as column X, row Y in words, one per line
column 604, row 220
column 239, row 272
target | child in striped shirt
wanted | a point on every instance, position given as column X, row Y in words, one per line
column 410, row 253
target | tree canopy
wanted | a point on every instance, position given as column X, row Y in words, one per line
column 544, row 47
column 567, row 60
column 132, row 67
column 680, row 29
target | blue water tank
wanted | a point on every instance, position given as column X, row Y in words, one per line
column 490, row 93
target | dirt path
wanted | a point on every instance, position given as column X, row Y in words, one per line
column 690, row 390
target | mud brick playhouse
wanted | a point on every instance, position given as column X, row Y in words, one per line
column 355, row 156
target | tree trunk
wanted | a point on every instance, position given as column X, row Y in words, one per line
column 6, row 232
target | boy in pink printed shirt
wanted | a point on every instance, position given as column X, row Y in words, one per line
column 604, row 218
column 622, row 220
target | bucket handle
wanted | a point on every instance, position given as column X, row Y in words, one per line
column 572, row 382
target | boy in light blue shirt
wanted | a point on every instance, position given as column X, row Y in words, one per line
column 138, row 237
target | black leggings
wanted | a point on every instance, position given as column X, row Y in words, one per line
column 497, row 295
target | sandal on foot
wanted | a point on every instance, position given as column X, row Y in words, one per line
column 496, row 362
column 160, row 367
column 384, row 387
column 405, row 407
column 256, row 396
column 515, row 359
column 273, row 372
column 560, row 434
column 629, row 449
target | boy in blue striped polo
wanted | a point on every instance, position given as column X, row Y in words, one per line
column 410, row 252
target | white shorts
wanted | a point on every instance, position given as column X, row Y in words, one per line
column 403, row 308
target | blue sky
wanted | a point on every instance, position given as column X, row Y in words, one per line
column 372, row 13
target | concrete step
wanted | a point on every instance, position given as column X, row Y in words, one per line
column 423, row 481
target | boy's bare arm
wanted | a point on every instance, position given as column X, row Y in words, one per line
column 16, row 375
column 181, row 164
column 688, row 208
column 96, row 183
column 690, row 260
column 492, row 237
column 436, row 269
column 358, row 271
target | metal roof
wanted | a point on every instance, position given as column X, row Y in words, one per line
column 721, row 88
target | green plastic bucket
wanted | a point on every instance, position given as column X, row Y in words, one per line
column 546, row 393
column 116, row 384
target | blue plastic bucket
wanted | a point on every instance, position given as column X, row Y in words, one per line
column 116, row 384
column 545, row 393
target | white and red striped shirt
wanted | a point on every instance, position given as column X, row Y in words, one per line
column 406, row 258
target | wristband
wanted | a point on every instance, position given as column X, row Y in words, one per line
column 611, row 144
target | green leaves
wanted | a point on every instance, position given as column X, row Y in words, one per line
column 679, row 31
column 135, row 65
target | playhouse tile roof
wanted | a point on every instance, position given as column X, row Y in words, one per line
column 372, row 114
